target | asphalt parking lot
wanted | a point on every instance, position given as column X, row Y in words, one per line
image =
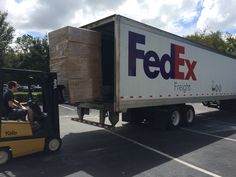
column 208, row 148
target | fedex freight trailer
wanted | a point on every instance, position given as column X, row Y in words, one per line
column 147, row 72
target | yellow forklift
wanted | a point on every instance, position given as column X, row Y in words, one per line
column 19, row 137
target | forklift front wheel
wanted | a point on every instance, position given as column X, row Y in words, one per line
column 5, row 156
column 53, row 145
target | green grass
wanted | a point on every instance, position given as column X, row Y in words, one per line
column 24, row 96
column 26, row 93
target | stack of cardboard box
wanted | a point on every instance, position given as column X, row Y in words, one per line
column 75, row 54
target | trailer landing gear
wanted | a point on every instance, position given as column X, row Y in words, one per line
column 113, row 118
column 103, row 114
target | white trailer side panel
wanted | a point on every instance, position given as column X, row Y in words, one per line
column 157, row 69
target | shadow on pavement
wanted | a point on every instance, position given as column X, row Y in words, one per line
column 100, row 153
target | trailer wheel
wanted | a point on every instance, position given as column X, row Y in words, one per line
column 5, row 156
column 188, row 115
column 53, row 145
column 174, row 118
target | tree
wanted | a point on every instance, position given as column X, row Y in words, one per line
column 231, row 44
column 224, row 44
column 29, row 52
column 6, row 35
column 32, row 53
column 10, row 59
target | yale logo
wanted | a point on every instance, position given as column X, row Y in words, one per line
column 10, row 133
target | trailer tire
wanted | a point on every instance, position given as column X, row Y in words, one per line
column 188, row 115
column 174, row 118
column 53, row 145
column 5, row 155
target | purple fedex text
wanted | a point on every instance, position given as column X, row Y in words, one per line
column 151, row 59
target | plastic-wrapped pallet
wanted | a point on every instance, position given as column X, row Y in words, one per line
column 75, row 54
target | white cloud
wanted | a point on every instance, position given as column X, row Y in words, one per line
column 218, row 15
column 166, row 15
column 19, row 13
column 181, row 17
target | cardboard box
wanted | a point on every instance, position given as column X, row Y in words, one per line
column 68, row 68
column 74, row 50
column 83, row 90
column 69, row 33
column 75, row 55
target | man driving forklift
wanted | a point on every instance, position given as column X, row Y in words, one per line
column 19, row 138
column 13, row 109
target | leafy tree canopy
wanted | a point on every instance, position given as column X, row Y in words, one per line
column 223, row 43
column 6, row 35
column 32, row 52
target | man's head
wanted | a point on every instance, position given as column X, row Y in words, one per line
column 12, row 85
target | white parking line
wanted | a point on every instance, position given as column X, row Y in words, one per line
column 208, row 134
column 164, row 154
column 67, row 108
column 221, row 122
column 67, row 116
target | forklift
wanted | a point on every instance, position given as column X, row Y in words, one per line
column 19, row 137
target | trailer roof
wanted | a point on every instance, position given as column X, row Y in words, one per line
column 100, row 22
column 116, row 17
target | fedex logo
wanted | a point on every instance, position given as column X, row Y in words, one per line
column 157, row 62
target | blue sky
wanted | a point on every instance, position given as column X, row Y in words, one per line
column 36, row 33
column 182, row 17
column 194, row 20
column 18, row 1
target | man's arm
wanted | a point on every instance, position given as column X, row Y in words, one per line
column 13, row 104
column 19, row 105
